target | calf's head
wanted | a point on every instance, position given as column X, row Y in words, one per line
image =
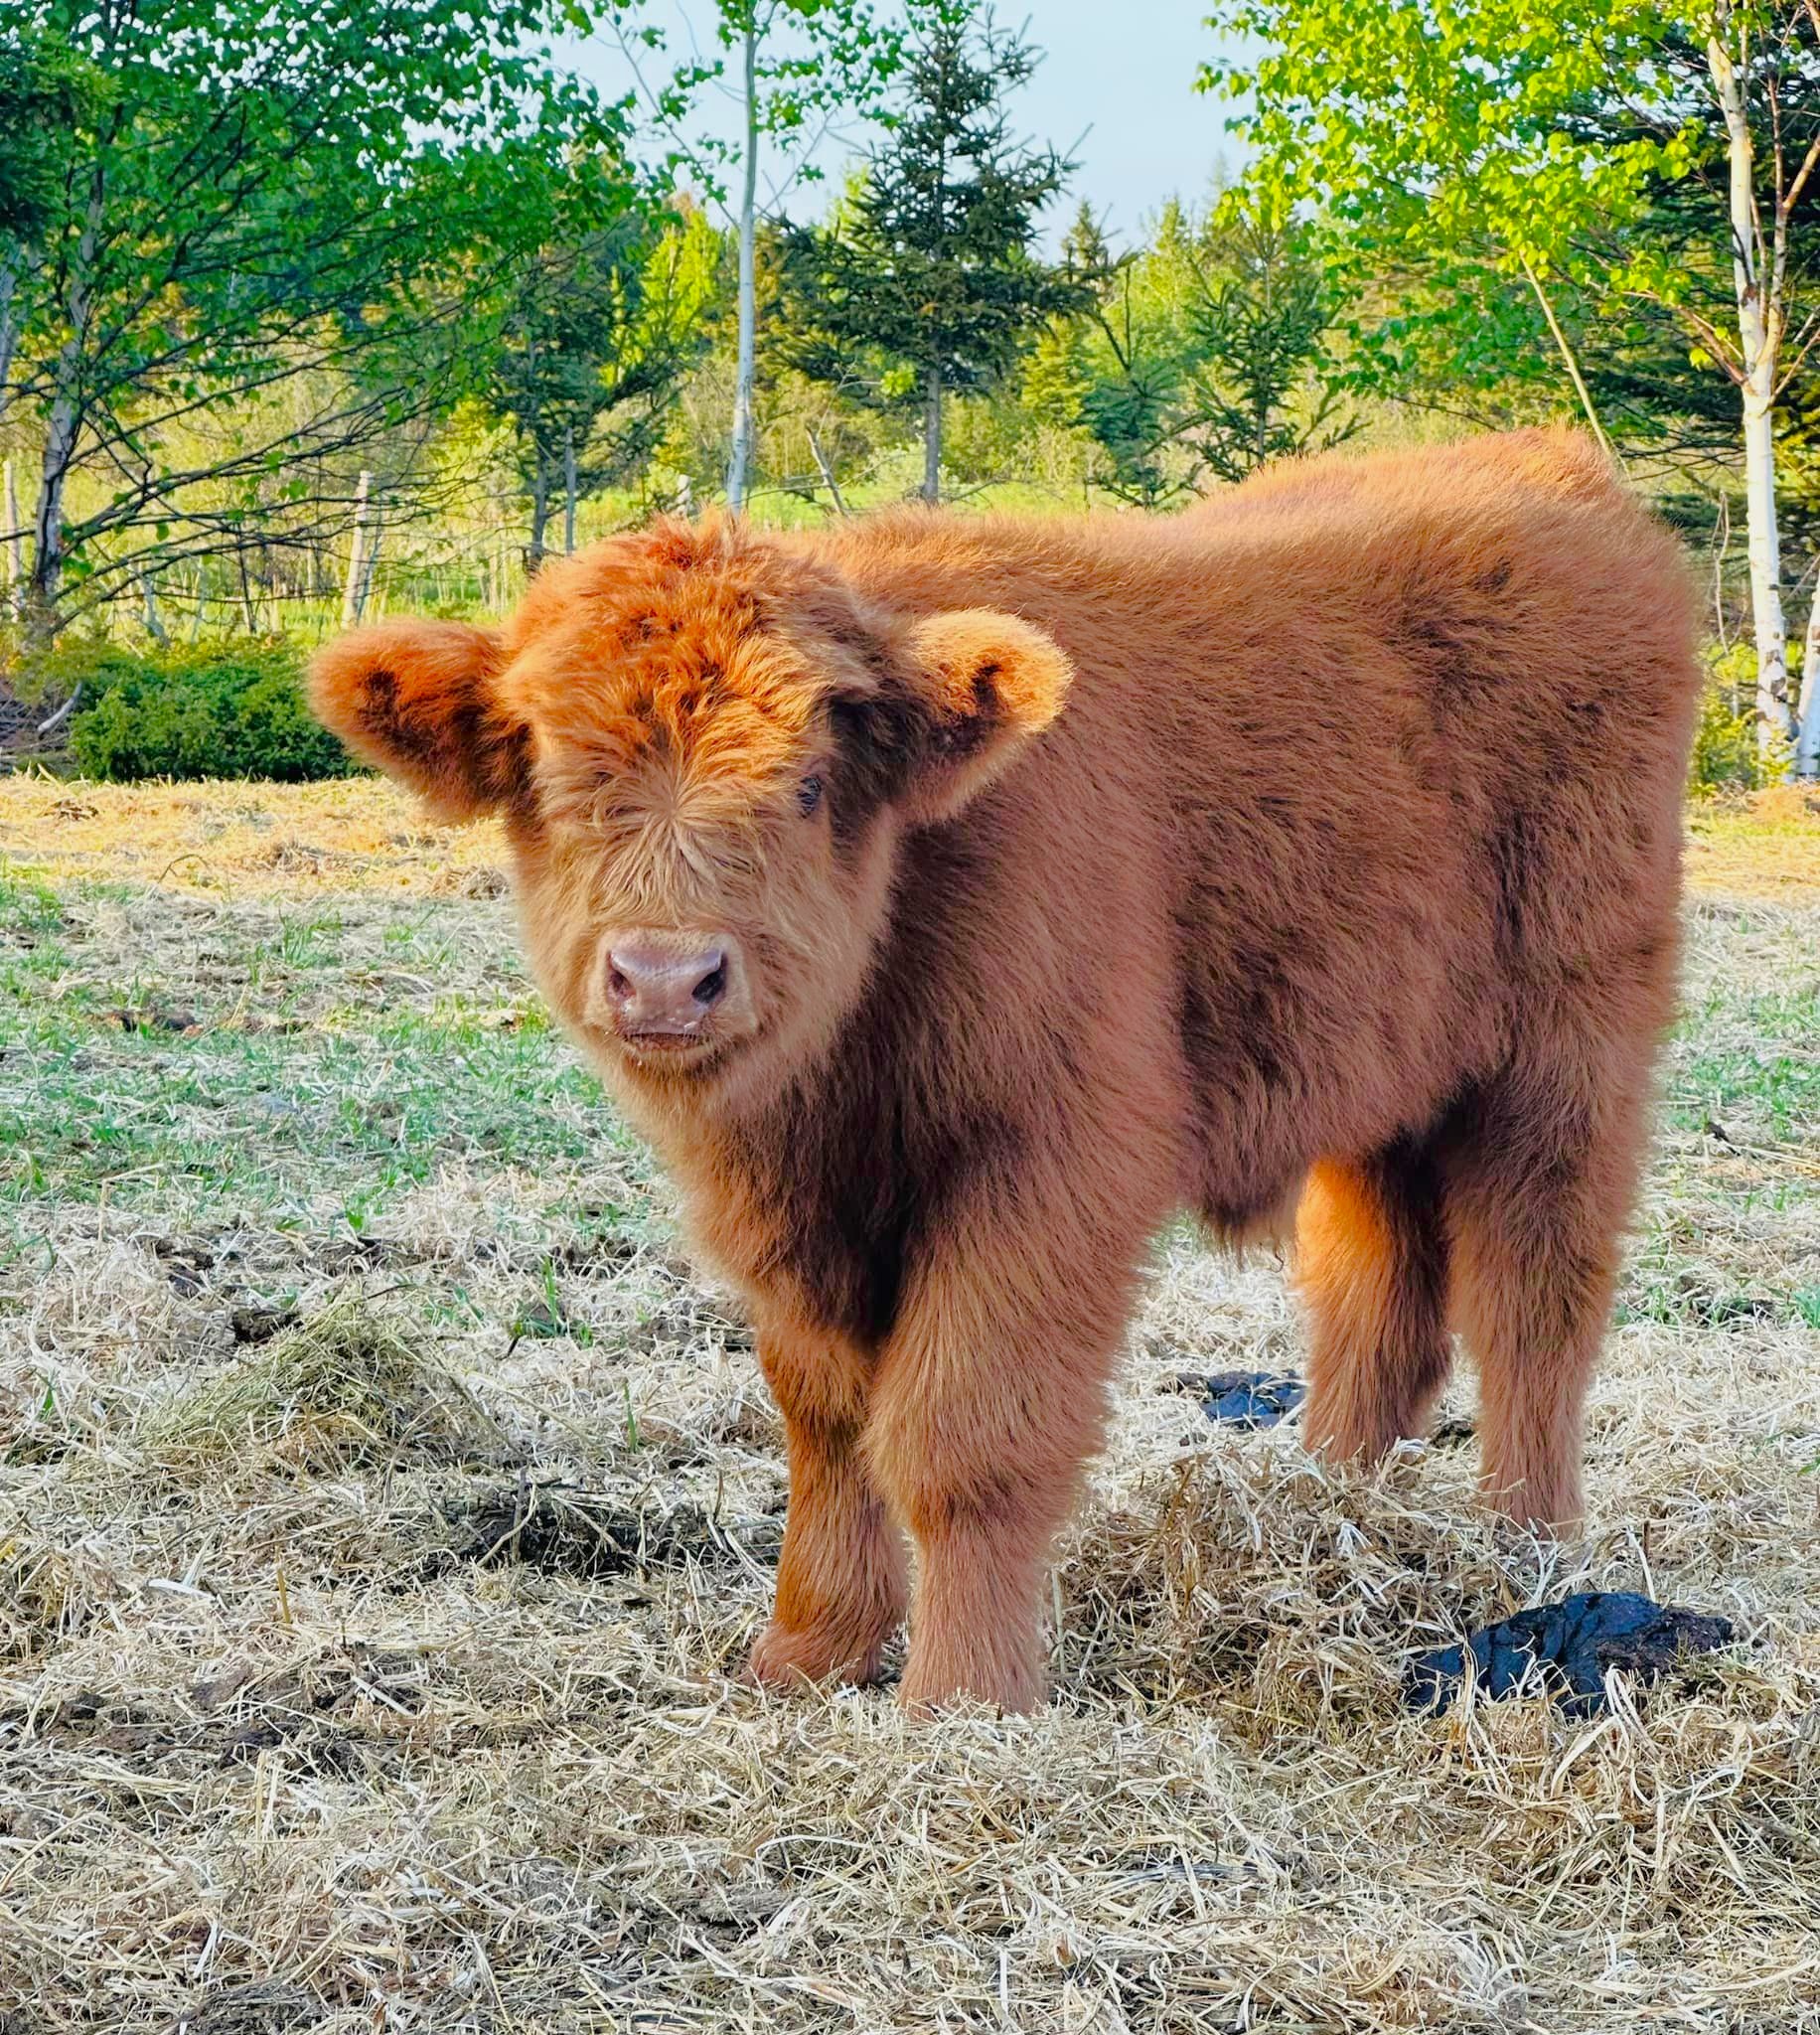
column 705, row 748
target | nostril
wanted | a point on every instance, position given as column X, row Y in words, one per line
column 713, row 985
column 617, row 984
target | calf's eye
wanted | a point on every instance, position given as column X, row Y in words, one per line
column 809, row 796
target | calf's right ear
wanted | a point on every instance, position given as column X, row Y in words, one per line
column 418, row 699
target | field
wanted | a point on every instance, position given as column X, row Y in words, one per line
column 384, row 1505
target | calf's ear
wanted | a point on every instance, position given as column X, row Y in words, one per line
column 980, row 684
column 418, row 700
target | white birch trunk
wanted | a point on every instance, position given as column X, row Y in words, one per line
column 354, row 590
column 1760, row 317
column 739, row 463
column 1764, row 543
column 1807, row 738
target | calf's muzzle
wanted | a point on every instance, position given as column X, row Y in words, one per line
column 663, row 986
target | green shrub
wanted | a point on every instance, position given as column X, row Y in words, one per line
column 92, row 662
column 1725, row 752
column 202, row 709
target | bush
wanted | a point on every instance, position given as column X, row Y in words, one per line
column 202, row 709
column 92, row 662
column 1726, row 753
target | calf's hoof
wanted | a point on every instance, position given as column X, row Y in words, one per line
column 782, row 1658
column 1012, row 1687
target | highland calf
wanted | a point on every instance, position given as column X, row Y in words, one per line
column 950, row 901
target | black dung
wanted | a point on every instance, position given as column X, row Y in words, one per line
column 1565, row 1649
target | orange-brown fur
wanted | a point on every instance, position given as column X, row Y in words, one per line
column 1327, row 835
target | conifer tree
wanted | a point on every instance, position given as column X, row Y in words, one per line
column 929, row 278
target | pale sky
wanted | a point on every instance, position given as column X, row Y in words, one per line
column 1116, row 91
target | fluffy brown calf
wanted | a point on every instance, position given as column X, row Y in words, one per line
column 950, row 901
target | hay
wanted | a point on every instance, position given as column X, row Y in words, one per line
column 375, row 1674
column 347, row 1386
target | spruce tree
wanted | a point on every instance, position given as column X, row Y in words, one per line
column 927, row 280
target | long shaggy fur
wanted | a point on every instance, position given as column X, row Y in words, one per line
column 1321, row 844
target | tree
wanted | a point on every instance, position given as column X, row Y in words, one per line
column 315, row 204
column 1205, row 351
column 793, row 67
column 597, row 332
column 45, row 90
column 930, row 269
column 1461, row 132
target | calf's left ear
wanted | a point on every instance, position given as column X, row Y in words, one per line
column 418, row 699
column 980, row 685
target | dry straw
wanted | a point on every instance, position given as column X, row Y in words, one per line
column 280, row 1752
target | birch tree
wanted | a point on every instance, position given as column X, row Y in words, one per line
column 795, row 71
column 1525, row 140
column 1747, row 54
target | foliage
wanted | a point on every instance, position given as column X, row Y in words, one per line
column 233, row 709
column 432, row 260
column 597, row 333
column 813, row 62
column 796, row 67
column 1205, row 353
column 46, row 89
column 1448, row 129
column 1652, row 159
column 1727, row 752
column 89, row 661
column 927, row 279
column 252, row 198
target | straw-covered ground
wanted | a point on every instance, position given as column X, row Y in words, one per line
column 383, row 1506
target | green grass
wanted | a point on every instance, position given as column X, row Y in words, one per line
column 270, row 1064
column 1757, row 1053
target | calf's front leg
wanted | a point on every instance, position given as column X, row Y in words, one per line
column 988, row 1400
column 841, row 1580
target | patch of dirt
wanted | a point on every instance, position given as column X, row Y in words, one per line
column 255, row 1325
column 563, row 1529
column 149, row 1020
column 318, row 1713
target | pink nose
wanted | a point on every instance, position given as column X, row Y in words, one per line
column 660, row 984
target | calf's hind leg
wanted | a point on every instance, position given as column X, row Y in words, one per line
column 841, row 1577
column 1371, row 1269
column 1539, row 1187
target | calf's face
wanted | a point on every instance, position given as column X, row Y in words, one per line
column 705, row 750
